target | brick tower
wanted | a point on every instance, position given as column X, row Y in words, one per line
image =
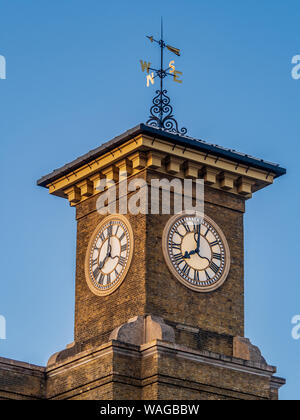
column 154, row 325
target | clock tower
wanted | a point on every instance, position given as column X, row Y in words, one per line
column 159, row 303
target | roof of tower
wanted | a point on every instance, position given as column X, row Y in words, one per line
column 175, row 138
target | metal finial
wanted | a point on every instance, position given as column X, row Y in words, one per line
column 161, row 112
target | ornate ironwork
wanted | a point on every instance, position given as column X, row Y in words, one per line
column 165, row 119
column 161, row 112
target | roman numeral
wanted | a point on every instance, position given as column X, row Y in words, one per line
column 123, row 247
column 197, row 228
column 101, row 279
column 196, row 275
column 216, row 256
column 207, row 275
column 122, row 236
column 178, row 258
column 186, row 269
column 96, row 272
column 176, row 246
column 214, row 243
column 122, row 261
column 206, row 233
column 108, row 279
column 186, row 227
column 109, row 230
column 214, row 267
column 179, row 234
column 102, row 237
column 117, row 230
column 95, row 262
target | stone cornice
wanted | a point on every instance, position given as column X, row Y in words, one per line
column 166, row 158
column 160, row 348
column 21, row 367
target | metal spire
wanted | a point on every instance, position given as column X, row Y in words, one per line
column 161, row 112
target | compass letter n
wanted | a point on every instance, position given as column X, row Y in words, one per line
column 150, row 78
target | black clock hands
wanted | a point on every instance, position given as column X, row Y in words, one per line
column 198, row 240
column 108, row 254
column 197, row 250
column 102, row 264
column 187, row 254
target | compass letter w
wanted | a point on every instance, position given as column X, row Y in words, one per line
column 145, row 66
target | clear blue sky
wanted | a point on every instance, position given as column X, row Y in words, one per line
column 74, row 82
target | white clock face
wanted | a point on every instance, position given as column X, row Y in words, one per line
column 196, row 252
column 109, row 255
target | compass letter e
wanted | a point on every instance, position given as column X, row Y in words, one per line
column 175, row 72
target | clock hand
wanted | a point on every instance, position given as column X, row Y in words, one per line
column 198, row 240
column 102, row 264
column 197, row 250
column 108, row 247
column 108, row 254
column 187, row 255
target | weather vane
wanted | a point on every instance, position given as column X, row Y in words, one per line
column 161, row 112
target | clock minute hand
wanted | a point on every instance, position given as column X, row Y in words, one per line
column 187, row 255
column 108, row 254
column 197, row 250
column 198, row 241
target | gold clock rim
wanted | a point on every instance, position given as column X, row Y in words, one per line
column 173, row 271
column 92, row 288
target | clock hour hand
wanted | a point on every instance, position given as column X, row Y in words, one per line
column 187, row 254
column 102, row 264
column 197, row 250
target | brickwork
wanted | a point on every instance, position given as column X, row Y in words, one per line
column 221, row 311
column 150, row 287
column 97, row 316
column 21, row 381
column 203, row 355
column 156, row 370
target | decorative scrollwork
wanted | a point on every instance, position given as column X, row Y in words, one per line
column 161, row 114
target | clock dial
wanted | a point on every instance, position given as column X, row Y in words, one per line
column 196, row 252
column 109, row 255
